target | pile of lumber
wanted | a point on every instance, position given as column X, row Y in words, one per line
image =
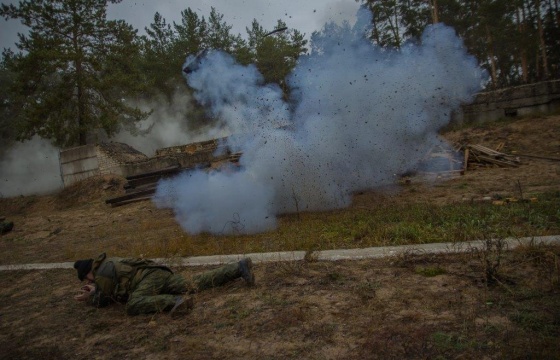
column 142, row 186
column 478, row 155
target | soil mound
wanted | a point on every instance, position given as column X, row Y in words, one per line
column 93, row 189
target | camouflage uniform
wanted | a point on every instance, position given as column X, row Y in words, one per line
column 147, row 287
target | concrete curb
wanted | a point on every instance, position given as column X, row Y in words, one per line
column 325, row 255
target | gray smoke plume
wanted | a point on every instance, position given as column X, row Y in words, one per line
column 31, row 167
column 359, row 115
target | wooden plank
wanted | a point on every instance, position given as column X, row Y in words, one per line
column 484, row 154
column 153, row 179
column 140, row 188
column 485, row 150
column 168, row 170
column 496, row 161
column 130, row 196
column 130, row 201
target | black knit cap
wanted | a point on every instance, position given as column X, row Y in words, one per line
column 83, row 267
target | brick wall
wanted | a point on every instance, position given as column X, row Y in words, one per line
column 107, row 164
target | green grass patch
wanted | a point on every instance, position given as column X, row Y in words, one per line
column 430, row 271
column 388, row 224
column 451, row 341
column 537, row 322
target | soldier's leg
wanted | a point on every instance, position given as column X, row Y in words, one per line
column 147, row 297
column 225, row 274
column 216, row 277
column 177, row 284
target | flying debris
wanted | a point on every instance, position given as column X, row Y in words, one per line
column 276, row 31
column 193, row 63
column 343, row 132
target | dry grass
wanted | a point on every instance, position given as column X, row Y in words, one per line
column 357, row 228
column 84, row 228
column 490, row 304
column 374, row 309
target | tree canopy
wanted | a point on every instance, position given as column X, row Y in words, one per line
column 517, row 41
column 74, row 72
column 166, row 47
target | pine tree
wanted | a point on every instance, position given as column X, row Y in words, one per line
column 191, row 34
column 75, row 70
column 161, row 60
column 8, row 111
column 275, row 55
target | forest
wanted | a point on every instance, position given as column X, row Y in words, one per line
column 75, row 69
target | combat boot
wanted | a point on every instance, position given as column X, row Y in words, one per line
column 183, row 304
column 246, row 269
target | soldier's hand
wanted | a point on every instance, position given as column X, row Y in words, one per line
column 85, row 292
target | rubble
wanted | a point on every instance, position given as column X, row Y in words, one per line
column 142, row 186
column 478, row 155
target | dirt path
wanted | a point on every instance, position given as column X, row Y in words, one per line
column 326, row 255
column 403, row 307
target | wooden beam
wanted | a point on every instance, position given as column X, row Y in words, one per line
column 130, row 196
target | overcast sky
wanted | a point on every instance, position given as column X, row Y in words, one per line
column 306, row 16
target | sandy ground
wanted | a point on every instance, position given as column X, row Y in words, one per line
column 409, row 306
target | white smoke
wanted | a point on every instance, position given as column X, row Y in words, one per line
column 167, row 126
column 31, row 167
column 360, row 114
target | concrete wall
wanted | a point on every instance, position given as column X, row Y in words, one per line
column 78, row 163
column 543, row 97
column 89, row 160
column 85, row 161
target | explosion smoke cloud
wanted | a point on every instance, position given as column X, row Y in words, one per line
column 359, row 115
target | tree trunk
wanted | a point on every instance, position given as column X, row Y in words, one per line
column 82, row 139
column 542, row 42
column 537, row 66
column 435, row 14
column 554, row 13
column 81, row 112
column 522, row 50
column 395, row 26
column 493, row 73
column 375, row 31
